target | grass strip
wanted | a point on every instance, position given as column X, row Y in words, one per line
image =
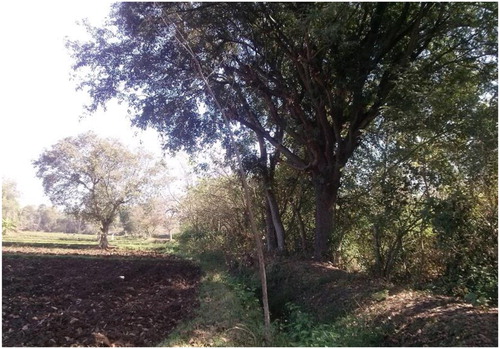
column 229, row 314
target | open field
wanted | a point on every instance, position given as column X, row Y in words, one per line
column 81, row 244
column 60, row 290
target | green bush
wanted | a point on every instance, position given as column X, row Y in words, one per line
column 300, row 329
column 468, row 235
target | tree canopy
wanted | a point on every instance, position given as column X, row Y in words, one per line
column 93, row 178
column 307, row 79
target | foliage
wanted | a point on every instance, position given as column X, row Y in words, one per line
column 92, row 178
column 51, row 219
column 380, row 115
column 150, row 217
column 470, row 247
column 214, row 218
column 10, row 205
column 308, row 79
column 301, row 330
column 436, row 168
column 8, row 226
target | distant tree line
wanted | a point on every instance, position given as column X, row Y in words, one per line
column 153, row 217
column 35, row 218
column 50, row 219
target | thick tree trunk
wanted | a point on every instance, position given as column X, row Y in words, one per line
column 103, row 237
column 103, row 241
column 325, row 190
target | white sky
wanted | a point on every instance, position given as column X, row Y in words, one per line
column 39, row 104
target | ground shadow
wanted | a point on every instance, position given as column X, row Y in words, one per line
column 50, row 245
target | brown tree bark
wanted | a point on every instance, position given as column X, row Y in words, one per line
column 326, row 188
column 272, row 244
column 324, row 219
column 103, row 237
column 271, row 202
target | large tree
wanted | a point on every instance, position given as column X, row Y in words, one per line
column 306, row 78
column 93, row 178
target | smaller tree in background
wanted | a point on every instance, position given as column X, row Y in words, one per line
column 10, row 206
column 93, row 178
column 30, row 218
column 50, row 219
column 148, row 218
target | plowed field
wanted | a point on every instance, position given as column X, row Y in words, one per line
column 110, row 300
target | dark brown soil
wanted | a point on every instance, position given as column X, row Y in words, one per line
column 112, row 300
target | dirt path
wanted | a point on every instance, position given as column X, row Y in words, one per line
column 113, row 300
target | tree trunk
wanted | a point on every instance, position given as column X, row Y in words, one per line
column 272, row 244
column 279, row 230
column 267, row 173
column 103, row 237
column 325, row 189
column 302, row 231
column 394, row 252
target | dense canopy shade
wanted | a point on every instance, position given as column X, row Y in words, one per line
column 308, row 78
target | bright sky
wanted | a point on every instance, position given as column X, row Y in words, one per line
column 39, row 104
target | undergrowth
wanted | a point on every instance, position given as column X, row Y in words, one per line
column 239, row 320
column 300, row 329
column 229, row 314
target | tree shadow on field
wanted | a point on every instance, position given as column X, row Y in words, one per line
column 322, row 289
column 50, row 245
column 437, row 321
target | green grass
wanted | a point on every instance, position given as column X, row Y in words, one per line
column 300, row 329
column 36, row 237
column 229, row 313
column 81, row 241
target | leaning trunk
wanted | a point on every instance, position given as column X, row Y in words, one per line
column 276, row 219
column 272, row 208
